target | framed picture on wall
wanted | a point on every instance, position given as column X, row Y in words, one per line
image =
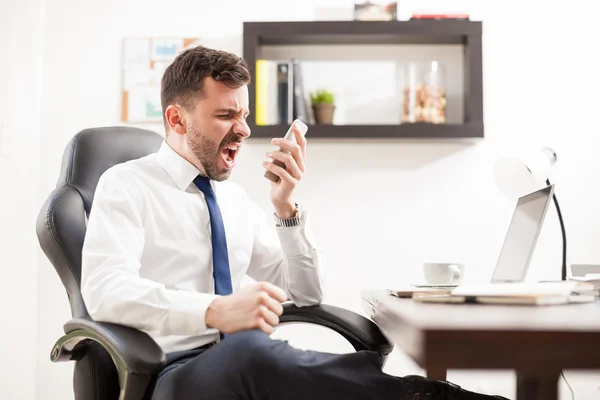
column 144, row 61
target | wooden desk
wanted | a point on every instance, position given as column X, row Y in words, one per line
column 538, row 342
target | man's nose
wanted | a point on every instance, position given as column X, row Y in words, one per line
column 242, row 129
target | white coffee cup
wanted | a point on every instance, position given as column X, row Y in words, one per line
column 443, row 273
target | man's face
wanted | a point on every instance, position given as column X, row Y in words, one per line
column 217, row 127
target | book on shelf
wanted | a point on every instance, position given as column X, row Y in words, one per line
column 280, row 93
column 439, row 16
column 299, row 100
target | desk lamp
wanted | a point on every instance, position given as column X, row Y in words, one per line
column 516, row 177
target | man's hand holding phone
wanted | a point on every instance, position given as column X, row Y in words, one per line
column 287, row 168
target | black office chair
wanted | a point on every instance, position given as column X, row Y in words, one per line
column 114, row 361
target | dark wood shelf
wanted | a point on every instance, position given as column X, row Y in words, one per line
column 363, row 32
column 288, row 33
column 418, row 130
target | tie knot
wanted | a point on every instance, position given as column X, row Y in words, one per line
column 203, row 183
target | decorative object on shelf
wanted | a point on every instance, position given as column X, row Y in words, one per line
column 376, row 11
column 516, row 176
column 323, row 104
column 424, row 97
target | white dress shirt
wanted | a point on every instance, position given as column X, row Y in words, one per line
column 147, row 254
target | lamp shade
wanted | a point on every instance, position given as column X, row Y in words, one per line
column 516, row 177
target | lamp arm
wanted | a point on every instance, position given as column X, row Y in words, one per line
column 564, row 236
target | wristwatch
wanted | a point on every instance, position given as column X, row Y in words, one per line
column 288, row 222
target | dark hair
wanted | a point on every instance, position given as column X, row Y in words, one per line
column 183, row 80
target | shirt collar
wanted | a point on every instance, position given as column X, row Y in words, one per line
column 181, row 171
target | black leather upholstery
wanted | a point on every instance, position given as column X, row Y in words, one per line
column 62, row 220
column 61, row 227
column 113, row 361
column 126, row 345
column 361, row 332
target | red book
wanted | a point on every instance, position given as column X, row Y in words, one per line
column 440, row 16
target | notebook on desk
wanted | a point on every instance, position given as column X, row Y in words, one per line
column 549, row 293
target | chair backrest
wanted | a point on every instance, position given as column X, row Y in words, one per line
column 62, row 221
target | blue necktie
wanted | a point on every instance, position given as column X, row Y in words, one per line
column 221, row 272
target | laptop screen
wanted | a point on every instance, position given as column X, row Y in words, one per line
column 522, row 235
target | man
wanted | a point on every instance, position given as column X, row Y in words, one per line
column 169, row 241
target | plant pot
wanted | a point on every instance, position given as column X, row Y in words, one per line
column 323, row 113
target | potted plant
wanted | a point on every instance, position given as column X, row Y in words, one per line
column 323, row 105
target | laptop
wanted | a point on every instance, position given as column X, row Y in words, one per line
column 507, row 283
column 521, row 236
column 520, row 240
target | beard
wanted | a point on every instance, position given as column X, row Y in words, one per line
column 208, row 152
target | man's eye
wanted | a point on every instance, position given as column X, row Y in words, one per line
column 224, row 116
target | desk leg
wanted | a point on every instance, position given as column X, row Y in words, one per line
column 436, row 372
column 541, row 385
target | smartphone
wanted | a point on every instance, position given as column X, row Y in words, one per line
column 288, row 136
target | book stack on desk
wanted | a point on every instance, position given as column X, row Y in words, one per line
column 591, row 279
column 409, row 291
column 547, row 293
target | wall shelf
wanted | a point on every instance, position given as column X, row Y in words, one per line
column 417, row 130
column 463, row 32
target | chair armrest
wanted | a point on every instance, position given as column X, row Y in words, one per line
column 361, row 332
column 134, row 353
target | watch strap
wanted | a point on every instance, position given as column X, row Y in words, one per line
column 288, row 222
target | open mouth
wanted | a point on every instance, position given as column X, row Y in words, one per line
column 229, row 153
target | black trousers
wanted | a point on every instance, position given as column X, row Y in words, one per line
column 251, row 365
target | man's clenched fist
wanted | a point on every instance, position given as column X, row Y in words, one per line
column 257, row 305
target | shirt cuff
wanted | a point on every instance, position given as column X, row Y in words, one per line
column 187, row 314
column 294, row 239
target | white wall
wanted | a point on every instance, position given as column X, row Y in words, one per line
column 380, row 208
column 21, row 43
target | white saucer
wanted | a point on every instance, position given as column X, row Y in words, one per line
column 437, row 285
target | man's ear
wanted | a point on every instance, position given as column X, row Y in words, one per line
column 176, row 118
